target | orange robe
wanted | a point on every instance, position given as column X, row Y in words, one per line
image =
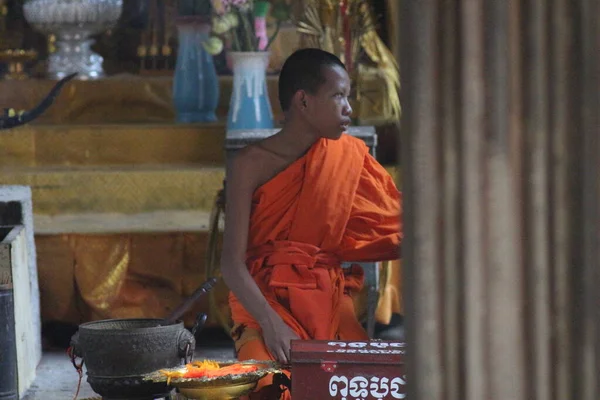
column 334, row 204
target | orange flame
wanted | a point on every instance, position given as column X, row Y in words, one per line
column 208, row 369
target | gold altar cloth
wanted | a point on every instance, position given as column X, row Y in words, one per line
column 141, row 275
column 129, row 275
column 391, row 298
column 118, row 265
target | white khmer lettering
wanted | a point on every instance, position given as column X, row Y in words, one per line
column 361, row 388
column 360, row 345
column 334, row 381
column 379, row 388
column 346, row 351
column 395, row 387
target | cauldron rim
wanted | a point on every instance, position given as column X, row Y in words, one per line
column 92, row 326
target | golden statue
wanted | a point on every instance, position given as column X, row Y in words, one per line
column 347, row 28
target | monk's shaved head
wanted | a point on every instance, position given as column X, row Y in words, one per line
column 303, row 70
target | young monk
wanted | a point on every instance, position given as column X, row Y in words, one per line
column 298, row 204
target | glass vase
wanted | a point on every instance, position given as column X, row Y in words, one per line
column 195, row 82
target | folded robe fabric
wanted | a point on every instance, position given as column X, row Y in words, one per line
column 335, row 203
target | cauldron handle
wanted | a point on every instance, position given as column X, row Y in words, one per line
column 74, row 346
column 74, row 351
column 188, row 338
column 186, row 346
column 199, row 324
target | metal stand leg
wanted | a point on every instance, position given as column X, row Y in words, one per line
column 372, row 300
column 371, row 270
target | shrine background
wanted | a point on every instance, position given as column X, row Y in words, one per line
column 122, row 194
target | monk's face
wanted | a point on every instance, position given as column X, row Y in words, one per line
column 329, row 110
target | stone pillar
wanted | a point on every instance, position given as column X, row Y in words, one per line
column 501, row 169
column 18, row 263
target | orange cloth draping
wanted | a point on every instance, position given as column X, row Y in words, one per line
column 334, row 204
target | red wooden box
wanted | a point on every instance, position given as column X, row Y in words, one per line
column 348, row 370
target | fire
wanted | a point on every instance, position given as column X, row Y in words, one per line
column 208, row 365
column 208, row 369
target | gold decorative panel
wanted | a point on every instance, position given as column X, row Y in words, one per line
column 116, row 144
column 126, row 190
column 131, row 99
column 119, row 99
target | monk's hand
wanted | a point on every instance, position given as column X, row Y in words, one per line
column 278, row 336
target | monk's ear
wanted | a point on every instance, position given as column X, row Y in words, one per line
column 300, row 100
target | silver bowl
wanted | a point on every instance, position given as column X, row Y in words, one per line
column 72, row 22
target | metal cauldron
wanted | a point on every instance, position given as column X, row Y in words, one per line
column 119, row 352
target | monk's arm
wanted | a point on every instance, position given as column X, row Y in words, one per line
column 241, row 183
column 374, row 229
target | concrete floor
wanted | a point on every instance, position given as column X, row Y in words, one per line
column 57, row 378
